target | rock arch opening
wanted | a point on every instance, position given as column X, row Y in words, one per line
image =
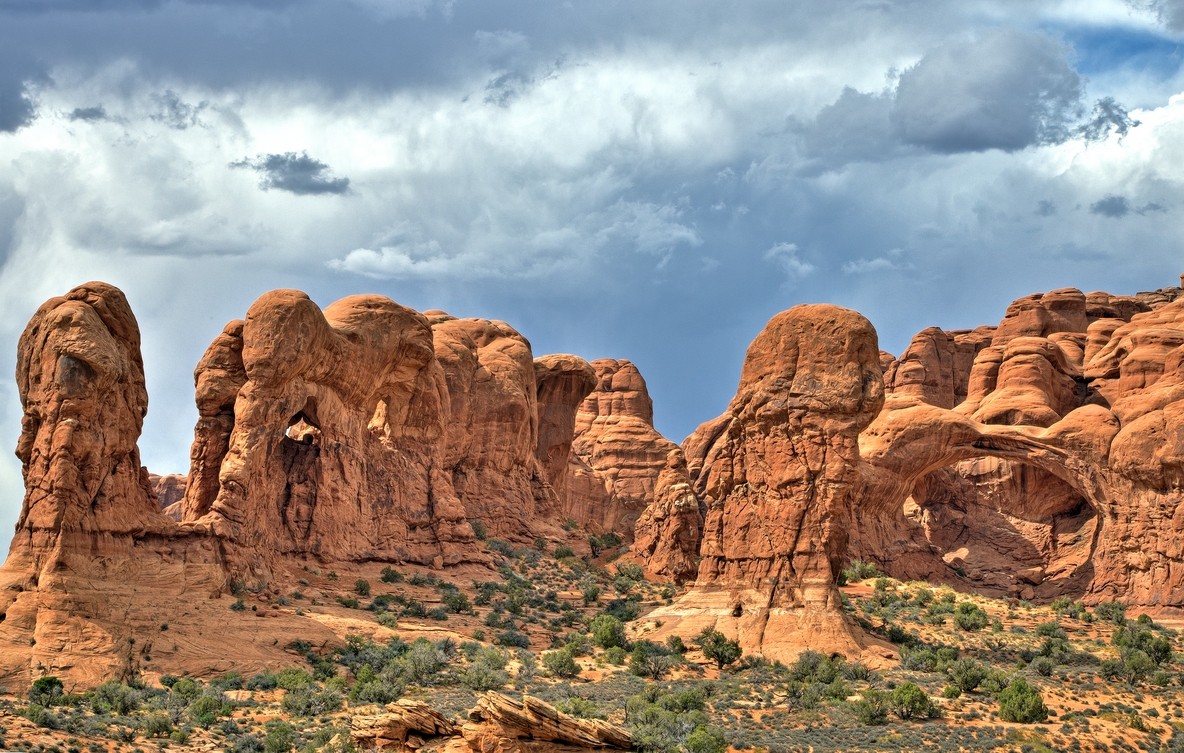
column 1004, row 527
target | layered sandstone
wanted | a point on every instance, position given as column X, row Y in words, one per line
column 778, row 479
column 562, row 382
column 498, row 723
column 617, row 456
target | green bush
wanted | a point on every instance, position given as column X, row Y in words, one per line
column 951, row 691
column 292, row 678
column 309, row 701
column 873, row 707
column 717, row 648
column 1043, row 666
column 1111, row 611
column 561, row 664
column 608, row 632
column 1021, row 703
column 362, row 587
column 280, row 738
column 562, row 551
column 704, row 739
column 391, row 575
column 967, row 674
column 911, row 702
column 649, row 659
column 46, row 691
column 158, row 725
column 579, row 708
column 970, row 617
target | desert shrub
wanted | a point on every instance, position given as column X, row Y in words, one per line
column 608, row 631
column 873, row 707
column 280, row 737
column 390, row 575
column 1159, row 649
column 579, row 708
column 362, row 587
column 591, row 593
column 995, row 682
column 717, row 648
column 158, row 725
column 920, row 660
column 675, row 644
column 561, row 664
column 513, row 639
column 1137, row 665
column 578, row 645
column 860, row 570
column 563, row 551
column 615, row 656
column 951, row 691
column 911, row 702
column 309, row 701
column 857, row 672
column 293, row 678
column 46, row 691
column 650, row 659
column 1050, row 629
column 1021, row 703
column 967, row 674
column 457, row 603
column 479, row 529
column 1111, row 611
column 501, row 547
column 486, row 670
column 661, row 722
column 970, row 617
column 623, row 609
column 631, row 571
column 115, row 697
column 1043, row 666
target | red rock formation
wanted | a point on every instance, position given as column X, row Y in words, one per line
column 778, row 487
column 562, row 382
column 936, row 366
column 1078, row 494
column 493, row 433
column 93, row 559
column 668, row 532
column 170, row 492
column 617, row 455
column 338, row 443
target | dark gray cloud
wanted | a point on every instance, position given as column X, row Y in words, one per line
column 1046, row 208
column 1111, row 206
column 1007, row 90
column 295, row 173
column 89, row 114
column 16, row 107
column 175, row 112
column 855, row 128
column 1170, row 12
column 1108, row 117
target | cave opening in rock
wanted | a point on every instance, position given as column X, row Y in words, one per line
column 1004, row 527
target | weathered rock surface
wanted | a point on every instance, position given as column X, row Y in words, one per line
column 668, row 532
column 170, row 491
column 617, row 455
column 778, row 480
column 398, row 726
column 936, row 366
column 1052, row 478
column 562, row 382
column 497, row 723
column 93, row 559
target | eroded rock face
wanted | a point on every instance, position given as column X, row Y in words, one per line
column 338, row 443
column 778, row 481
column 936, row 366
column 562, row 382
column 170, row 492
column 668, row 532
column 93, row 558
column 617, row 455
column 498, row 722
column 1052, row 478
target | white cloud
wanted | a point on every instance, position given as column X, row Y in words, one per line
column 785, row 255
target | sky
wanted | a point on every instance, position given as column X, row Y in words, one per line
column 650, row 181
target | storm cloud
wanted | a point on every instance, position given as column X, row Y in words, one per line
column 645, row 181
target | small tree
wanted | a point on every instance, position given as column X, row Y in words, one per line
column 911, row 702
column 362, row 586
column 873, row 707
column 608, row 631
column 717, row 648
column 1020, row 702
column 561, row 664
column 45, row 691
column 967, row 674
